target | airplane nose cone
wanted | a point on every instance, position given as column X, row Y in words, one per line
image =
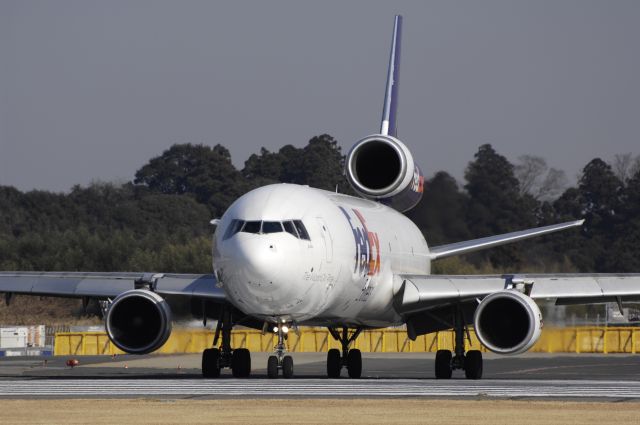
column 259, row 273
column 259, row 258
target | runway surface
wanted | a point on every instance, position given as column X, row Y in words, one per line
column 589, row 377
column 201, row 388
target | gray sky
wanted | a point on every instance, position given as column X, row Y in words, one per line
column 91, row 90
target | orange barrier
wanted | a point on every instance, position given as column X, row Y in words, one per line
column 553, row 340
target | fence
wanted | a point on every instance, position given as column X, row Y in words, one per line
column 553, row 340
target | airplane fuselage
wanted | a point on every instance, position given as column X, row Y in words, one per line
column 339, row 269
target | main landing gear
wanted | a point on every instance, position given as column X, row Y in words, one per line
column 280, row 361
column 471, row 363
column 351, row 359
column 214, row 359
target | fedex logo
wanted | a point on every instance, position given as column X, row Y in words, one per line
column 417, row 183
column 367, row 260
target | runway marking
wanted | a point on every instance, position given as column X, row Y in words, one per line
column 318, row 388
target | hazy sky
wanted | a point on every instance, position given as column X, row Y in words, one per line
column 91, row 90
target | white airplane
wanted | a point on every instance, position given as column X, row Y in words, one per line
column 287, row 255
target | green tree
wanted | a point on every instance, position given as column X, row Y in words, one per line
column 597, row 199
column 319, row 164
column 263, row 169
column 600, row 195
column 440, row 214
column 495, row 203
column 623, row 255
column 206, row 173
column 322, row 163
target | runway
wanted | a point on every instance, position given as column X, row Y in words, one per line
column 570, row 377
column 199, row 388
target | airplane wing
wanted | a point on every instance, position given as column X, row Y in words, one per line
column 424, row 292
column 108, row 285
column 465, row 247
column 430, row 303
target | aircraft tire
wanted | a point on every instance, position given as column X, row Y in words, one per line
column 473, row 364
column 443, row 364
column 287, row 367
column 354, row 363
column 272, row 367
column 333, row 363
column 241, row 363
column 211, row 363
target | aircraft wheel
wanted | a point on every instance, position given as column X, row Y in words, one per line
column 333, row 363
column 211, row 363
column 272, row 367
column 354, row 363
column 241, row 363
column 287, row 367
column 473, row 364
column 443, row 364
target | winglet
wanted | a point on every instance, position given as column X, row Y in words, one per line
column 390, row 109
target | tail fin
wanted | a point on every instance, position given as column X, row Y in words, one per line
column 390, row 111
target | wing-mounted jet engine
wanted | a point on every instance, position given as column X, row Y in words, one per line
column 381, row 167
column 138, row 321
column 508, row 322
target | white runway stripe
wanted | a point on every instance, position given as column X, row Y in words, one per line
column 316, row 388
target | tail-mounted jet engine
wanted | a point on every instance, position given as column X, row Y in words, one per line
column 138, row 321
column 508, row 322
column 381, row 167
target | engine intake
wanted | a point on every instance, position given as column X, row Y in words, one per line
column 138, row 321
column 381, row 167
column 508, row 322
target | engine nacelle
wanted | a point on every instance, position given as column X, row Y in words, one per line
column 508, row 322
column 381, row 167
column 138, row 321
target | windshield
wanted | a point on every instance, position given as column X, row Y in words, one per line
column 295, row 228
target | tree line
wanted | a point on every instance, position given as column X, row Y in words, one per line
column 159, row 221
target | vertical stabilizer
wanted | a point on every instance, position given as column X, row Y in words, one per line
column 390, row 110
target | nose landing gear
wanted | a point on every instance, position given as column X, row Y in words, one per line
column 280, row 361
column 351, row 359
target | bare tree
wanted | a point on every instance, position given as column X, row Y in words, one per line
column 625, row 166
column 635, row 167
column 622, row 164
column 554, row 183
column 538, row 180
column 528, row 171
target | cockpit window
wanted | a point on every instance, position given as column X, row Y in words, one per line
column 302, row 231
column 234, row 227
column 293, row 227
column 290, row 228
column 271, row 227
column 251, row 227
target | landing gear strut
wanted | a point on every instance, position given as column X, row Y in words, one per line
column 351, row 359
column 471, row 363
column 280, row 361
column 214, row 359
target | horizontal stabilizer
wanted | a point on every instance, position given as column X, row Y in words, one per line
column 466, row 247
